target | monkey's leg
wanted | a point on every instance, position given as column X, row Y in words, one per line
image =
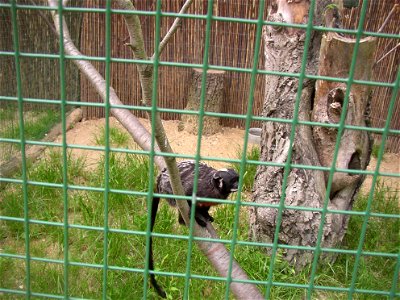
column 180, row 219
column 202, row 216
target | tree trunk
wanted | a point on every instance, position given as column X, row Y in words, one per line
column 212, row 102
column 283, row 50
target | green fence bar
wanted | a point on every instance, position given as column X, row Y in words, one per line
column 152, row 172
column 64, row 154
column 290, row 152
column 23, row 153
column 246, row 141
column 198, row 144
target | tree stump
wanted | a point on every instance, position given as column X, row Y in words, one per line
column 213, row 98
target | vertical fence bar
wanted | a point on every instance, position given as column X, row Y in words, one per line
column 289, row 157
column 203, row 93
column 24, row 177
column 395, row 279
column 64, row 151
column 107, row 147
column 336, row 150
column 243, row 162
column 153, row 113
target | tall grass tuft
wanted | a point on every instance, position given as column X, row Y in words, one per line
column 250, row 169
column 118, row 137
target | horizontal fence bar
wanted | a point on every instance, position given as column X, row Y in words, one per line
column 192, row 157
column 211, row 114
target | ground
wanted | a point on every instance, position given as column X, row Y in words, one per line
column 225, row 144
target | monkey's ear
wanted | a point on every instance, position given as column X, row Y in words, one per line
column 218, row 180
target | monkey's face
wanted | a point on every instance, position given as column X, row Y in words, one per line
column 226, row 181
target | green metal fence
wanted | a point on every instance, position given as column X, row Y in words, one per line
column 266, row 282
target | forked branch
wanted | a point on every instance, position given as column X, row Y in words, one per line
column 216, row 252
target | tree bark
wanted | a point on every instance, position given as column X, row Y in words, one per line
column 355, row 145
column 213, row 98
column 283, row 50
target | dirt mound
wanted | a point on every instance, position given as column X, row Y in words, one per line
column 225, row 144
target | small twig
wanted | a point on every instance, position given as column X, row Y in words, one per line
column 174, row 27
column 379, row 60
column 388, row 18
column 44, row 17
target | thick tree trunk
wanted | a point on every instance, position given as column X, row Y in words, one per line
column 212, row 102
column 312, row 146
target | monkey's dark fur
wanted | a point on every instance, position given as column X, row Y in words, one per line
column 212, row 183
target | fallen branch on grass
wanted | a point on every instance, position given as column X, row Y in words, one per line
column 13, row 165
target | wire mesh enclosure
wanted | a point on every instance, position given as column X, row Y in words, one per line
column 75, row 220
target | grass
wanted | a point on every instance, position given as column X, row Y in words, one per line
column 36, row 123
column 128, row 212
column 375, row 150
column 118, row 137
column 250, row 169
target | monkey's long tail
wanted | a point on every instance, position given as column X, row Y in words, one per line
column 153, row 281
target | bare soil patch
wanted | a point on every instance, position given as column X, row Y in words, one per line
column 225, row 144
column 389, row 164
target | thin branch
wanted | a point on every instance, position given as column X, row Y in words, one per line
column 136, row 43
column 215, row 252
column 138, row 132
column 379, row 60
column 395, row 7
column 44, row 17
column 174, row 27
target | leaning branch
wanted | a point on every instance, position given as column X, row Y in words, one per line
column 138, row 132
column 217, row 253
column 395, row 7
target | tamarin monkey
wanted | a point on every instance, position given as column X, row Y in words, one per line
column 212, row 183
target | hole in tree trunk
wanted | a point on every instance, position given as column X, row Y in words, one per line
column 335, row 104
column 355, row 162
